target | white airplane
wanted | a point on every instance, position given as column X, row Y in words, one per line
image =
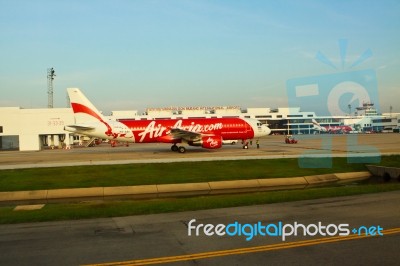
column 208, row 133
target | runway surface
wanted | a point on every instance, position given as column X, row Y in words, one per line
column 357, row 145
column 163, row 238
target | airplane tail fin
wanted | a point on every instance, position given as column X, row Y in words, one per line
column 84, row 110
column 317, row 126
column 315, row 123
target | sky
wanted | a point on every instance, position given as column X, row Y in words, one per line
column 132, row 55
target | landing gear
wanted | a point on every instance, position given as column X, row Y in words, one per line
column 245, row 144
column 179, row 149
column 174, row 148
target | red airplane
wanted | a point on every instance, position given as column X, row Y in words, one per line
column 331, row 129
column 208, row 133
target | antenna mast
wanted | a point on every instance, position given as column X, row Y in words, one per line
column 50, row 77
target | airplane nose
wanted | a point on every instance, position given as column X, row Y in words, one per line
column 267, row 130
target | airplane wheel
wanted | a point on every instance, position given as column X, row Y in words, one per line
column 174, row 148
column 182, row 149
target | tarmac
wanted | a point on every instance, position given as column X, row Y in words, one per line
column 271, row 147
column 128, row 238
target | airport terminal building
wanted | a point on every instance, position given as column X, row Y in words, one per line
column 36, row 129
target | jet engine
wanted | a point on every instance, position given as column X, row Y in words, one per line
column 208, row 142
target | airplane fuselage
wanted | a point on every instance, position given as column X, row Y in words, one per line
column 338, row 128
column 158, row 130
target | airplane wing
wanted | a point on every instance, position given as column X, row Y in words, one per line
column 178, row 133
column 81, row 127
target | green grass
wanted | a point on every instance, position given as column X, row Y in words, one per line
column 168, row 173
column 139, row 174
column 390, row 161
column 53, row 212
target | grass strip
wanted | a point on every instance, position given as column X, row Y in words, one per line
column 86, row 210
column 168, row 173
